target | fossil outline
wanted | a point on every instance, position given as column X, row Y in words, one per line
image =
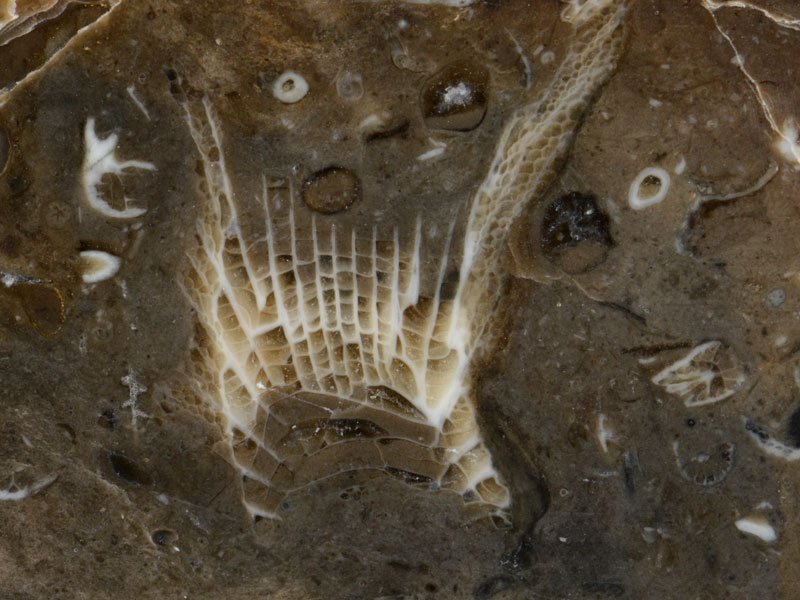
column 320, row 353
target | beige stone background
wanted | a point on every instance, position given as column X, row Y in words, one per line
column 109, row 498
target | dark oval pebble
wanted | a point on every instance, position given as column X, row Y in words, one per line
column 331, row 190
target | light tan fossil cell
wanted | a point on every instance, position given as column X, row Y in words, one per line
column 290, row 87
column 331, row 190
column 455, row 97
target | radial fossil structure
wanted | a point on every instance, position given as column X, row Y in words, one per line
column 316, row 345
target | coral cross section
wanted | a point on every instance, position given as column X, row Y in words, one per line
column 315, row 344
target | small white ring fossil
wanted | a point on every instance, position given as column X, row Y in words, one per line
column 654, row 174
column 290, row 87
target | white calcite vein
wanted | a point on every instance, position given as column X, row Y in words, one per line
column 787, row 134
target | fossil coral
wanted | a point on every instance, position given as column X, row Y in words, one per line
column 317, row 345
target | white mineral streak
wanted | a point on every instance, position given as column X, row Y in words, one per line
column 139, row 104
column 135, row 389
column 526, row 63
column 100, row 160
column 762, row 181
column 769, row 445
column 437, row 150
column 20, row 26
column 15, row 492
column 331, row 328
column 787, row 136
column 604, row 433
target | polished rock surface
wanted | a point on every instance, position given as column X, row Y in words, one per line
column 639, row 391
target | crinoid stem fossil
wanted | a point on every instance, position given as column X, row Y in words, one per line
column 317, row 346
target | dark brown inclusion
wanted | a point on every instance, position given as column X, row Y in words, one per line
column 455, row 98
column 331, row 190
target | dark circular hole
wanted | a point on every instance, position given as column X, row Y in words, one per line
column 575, row 232
column 162, row 537
column 331, row 190
column 108, row 419
column 128, row 470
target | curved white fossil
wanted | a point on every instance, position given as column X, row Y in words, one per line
column 318, row 347
column 100, row 160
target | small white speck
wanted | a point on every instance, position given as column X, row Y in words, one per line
column 456, row 95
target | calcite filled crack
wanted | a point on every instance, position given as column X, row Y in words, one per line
column 317, row 346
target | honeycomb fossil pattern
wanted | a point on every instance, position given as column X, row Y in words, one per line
column 316, row 345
